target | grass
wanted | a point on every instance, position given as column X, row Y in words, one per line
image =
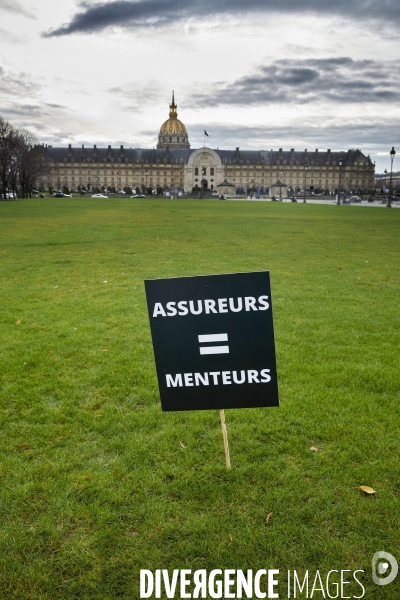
column 94, row 482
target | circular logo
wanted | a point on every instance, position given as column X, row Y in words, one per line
column 384, row 568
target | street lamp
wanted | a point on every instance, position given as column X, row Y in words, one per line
column 305, row 183
column 340, row 179
column 280, row 184
column 146, row 173
column 203, row 174
column 392, row 155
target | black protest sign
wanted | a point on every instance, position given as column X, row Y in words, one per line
column 213, row 340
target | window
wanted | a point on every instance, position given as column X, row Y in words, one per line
column 170, row 139
column 196, row 171
column 212, row 171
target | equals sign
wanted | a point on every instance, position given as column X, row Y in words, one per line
column 213, row 337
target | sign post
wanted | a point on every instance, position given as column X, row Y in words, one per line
column 213, row 341
column 225, row 437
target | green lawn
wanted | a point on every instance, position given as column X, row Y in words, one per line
column 95, row 484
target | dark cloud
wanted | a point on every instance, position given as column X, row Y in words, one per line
column 300, row 81
column 370, row 134
column 141, row 14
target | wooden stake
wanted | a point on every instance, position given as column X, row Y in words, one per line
column 225, row 436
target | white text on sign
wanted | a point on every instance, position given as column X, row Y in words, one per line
column 218, row 378
column 221, row 305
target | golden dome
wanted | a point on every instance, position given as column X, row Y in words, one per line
column 173, row 133
column 173, row 125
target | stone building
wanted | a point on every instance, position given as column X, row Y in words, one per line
column 174, row 165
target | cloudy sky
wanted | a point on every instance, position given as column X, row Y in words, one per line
column 258, row 74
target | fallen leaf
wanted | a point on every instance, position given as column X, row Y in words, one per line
column 339, row 268
column 367, row 490
column 182, row 445
column 18, row 322
column 23, row 445
column 314, row 449
column 269, row 515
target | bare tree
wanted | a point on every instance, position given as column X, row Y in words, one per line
column 31, row 161
column 22, row 160
column 7, row 140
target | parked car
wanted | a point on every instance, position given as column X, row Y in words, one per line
column 99, row 196
column 371, row 199
column 139, row 196
column 61, row 195
column 354, row 199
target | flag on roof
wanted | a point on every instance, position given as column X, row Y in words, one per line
column 205, row 133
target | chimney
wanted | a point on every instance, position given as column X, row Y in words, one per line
column 83, row 147
column 95, row 147
column 280, row 153
column 305, row 153
column 329, row 152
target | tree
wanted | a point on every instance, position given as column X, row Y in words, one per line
column 22, row 160
column 7, row 144
column 31, row 161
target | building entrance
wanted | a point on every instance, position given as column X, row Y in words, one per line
column 204, row 185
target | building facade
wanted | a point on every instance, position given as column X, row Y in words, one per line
column 174, row 165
